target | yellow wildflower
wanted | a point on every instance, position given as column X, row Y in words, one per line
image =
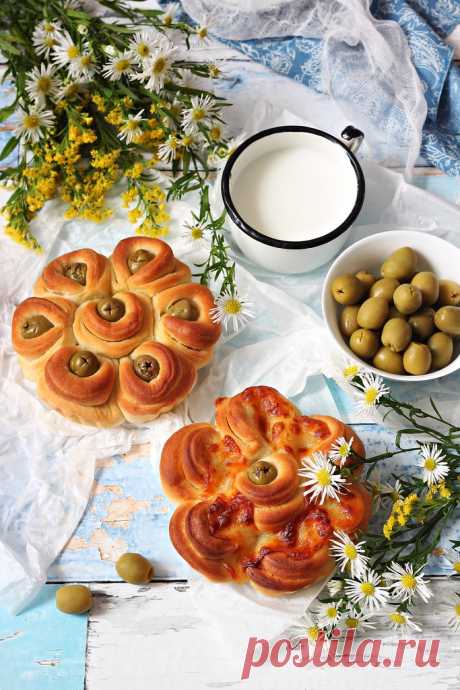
column 134, row 215
column 99, row 102
column 115, row 116
column 135, row 171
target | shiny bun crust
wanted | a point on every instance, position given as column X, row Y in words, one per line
column 70, row 314
column 235, row 524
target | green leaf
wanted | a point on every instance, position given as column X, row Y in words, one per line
column 8, row 48
column 7, row 111
column 9, row 147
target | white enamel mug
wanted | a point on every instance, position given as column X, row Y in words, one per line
column 275, row 251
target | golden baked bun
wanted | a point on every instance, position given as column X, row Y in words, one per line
column 153, row 379
column 182, row 321
column 82, row 386
column 242, row 514
column 114, row 326
column 39, row 327
column 146, row 264
column 78, row 276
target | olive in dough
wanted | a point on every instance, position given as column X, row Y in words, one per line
column 348, row 320
column 449, row 293
column 396, row 335
column 417, row 359
column 428, row 284
column 422, row 323
column 366, row 278
column 364, row 343
column 262, row 472
column 373, row 312
column 134, row 568
column 73, row 599
column 388, row 360
column 407, row 298
column 442, row 349
column 400, row 265
column 347, row 289
column 447, row 319
column 384, row 287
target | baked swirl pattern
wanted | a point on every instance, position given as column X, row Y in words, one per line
column 89, row 339
column 242, row 515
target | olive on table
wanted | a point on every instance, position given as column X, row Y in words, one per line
column 134, row 568
column 447, row 319
column 384, row 287
column 373, row 313
column 366, row 278
column 347, row 289
column 396, row 335
column 407, row 298
column 422, row 323
column 364, row 343
column 262, row 472
column 348, row 320
column 428, row 284
column 74, row 599
column 442, row 348
column 417, row 359
column 400, row 265
column 449, row 293
column 388, row 360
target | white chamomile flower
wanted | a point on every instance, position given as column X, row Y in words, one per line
column 453, row 558
column 341, row 450
column 200, row 113
column 433, row 464
column 157, row 68
column 131, row 129
column 371, row 389
column 33, row 122
column 69, row 90
column 328, row 614
column 66, row 52
column 454, row 618
column 84, row 67
column 350, row 371
column 202, row 35
column 367, row 591
column 42, row 83
column 195, row 233
column 142, row 45
column 219, row 156
column 404, row 584
column 171, row 11
column 384, row 490
column 188, row 79
column 335, row 587
column 232, row 311
column 401, row 622
column 188, row 141
column 45, row 37
column 348, row 554
column 118, row 66
column 307, row 628
column 322, row 479
column 353, row 619
column 168, row 150
column 214, row 71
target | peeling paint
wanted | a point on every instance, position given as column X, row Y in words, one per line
column 121, row 511
column 99, row 489
column 48, row 662
column 13, row 636
column 109, row 549
column 138, row 451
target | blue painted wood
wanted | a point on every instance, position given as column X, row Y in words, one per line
column 42, row 648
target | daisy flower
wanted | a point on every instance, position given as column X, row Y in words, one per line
column 69, row 90
column 156, row 69
column 335, row 587
column 341, row 450
column 348, row 554
column 170, row 13
column 405, row 584
column 83, row 67
column 402, row 622
column 188, row 141
column 433, row 463
column 45, row 37
column 33, row 122
column 195, row 233
column 350, row 371
column 118, row 66
column 232, row 311
column 454, row 619
column 353, row 619
column 202, row 35
column 42, row 84
column 168, row 150
column 188, row 79
column 371, row 389
column 66, row 52
column 142, row 46
column 131, row 129
column 328, row 614
column 322, row 478
column 307, row 628
column 367, row 591
column 199, row 113
column 453, row 558
column 214, row 71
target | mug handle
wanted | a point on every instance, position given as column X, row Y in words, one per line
column 352, row 138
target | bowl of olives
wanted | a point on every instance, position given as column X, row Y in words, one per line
column 392, row 302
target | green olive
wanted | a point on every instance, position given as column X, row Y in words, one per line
column 384, row 287
column 75, row 271
column 134, row 568
column 146, row 367
column 389, row 360
column 442, row 349
column 262, row 472
column 183, row 309
column 417, row 359
column 348, row 320
column 396, row 335
column 364, row 343
column 447, row 319
column 138, row 259
column 111, row 309
column 428, row 284
column 407, row 298
column 74, row 599
column 422, row 323
column 347, row 289
column 366, row 278
column 373, row 313
column 400, row 265
column 449, row 293
column 34, row 326
column 84, row 363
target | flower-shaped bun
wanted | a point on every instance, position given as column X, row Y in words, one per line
column 242, row 513
column 80, row 275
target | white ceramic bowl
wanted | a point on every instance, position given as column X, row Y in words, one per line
column 435, row 254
